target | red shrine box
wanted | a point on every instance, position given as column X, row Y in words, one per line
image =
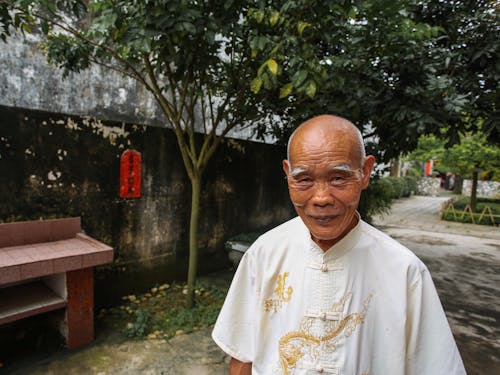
column 130, row 174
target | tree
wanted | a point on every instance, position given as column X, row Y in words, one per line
column 191, row 56
column 397, row 68
column 472, row 154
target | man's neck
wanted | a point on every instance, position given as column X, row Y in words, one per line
column 325, row 245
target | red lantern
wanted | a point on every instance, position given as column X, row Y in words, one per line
column 130, row 174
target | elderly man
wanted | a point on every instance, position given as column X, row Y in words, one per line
column 325, row 292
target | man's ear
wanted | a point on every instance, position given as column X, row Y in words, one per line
column 286, row 167
column 367, row 170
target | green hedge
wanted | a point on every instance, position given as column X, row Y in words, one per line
column 459, row 205
column 378, row 197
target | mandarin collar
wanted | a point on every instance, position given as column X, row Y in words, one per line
column 340, row 248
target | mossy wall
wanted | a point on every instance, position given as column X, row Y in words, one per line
column 53, row 165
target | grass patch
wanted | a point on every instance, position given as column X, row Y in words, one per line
column 482, row 203
column 162, row 313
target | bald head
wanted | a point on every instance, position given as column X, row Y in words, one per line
column 321, row 127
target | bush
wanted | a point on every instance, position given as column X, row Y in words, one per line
column 410, row 185
column 459, row 205
column 376, row 199
column 398, row 186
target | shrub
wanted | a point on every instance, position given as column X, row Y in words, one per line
column 376, row 199
column 461, row 217
column 410, row 185
column 398, row 186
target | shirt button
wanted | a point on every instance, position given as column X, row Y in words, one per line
column 319, row 368
column 323, row 316
column 324, row 267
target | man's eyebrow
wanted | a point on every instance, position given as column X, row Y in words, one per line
column 341, row 168
column 298, row 170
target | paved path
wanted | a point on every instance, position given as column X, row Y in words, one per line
column 464, row 260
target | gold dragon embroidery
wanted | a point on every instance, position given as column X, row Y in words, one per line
column 283, row 293
column 294, row 345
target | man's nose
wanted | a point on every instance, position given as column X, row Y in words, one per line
column 322, row 195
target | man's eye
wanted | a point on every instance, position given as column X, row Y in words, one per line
column 338, row 180
column 304, row 181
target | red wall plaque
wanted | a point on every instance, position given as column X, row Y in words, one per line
column 130, row 174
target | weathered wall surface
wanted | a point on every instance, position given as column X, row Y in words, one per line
column 27, row 81
column 55, row 166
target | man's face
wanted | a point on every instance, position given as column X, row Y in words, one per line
column 325, row 178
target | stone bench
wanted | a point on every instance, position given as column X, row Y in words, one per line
column 46, row 266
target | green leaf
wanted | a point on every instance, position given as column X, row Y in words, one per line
column 259, row 15
column 26, row 27
column 255, row 85
column 272, row 65
column 262, row 41
column 299, row 77
column 286, row 90
column 301, row 26
column 45, row 27
column 274, row 18
column 311, row 89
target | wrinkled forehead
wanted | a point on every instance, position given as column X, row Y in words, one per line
column 337, row 147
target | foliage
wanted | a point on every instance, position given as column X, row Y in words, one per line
column 163, row 312
column 193, row 57
column 410, row 185
column 482, row 203
column 377, row 198
column 397, row 68
column 473, row 151
column 470, row 51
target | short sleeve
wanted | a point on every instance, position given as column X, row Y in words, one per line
column 234, row 330
column 431, row 348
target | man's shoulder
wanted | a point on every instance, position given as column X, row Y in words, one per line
column 289, row 231
column 389, row 249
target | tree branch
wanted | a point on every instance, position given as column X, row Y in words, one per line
column 186, row 157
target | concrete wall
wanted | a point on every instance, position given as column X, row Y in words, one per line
column 28, row 81
column 53, row 165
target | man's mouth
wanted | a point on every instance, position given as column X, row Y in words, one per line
column 322, row 219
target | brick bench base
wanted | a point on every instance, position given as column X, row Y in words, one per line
column 46, row 266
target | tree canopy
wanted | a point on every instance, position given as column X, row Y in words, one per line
column 398, row 68
column 472, row 152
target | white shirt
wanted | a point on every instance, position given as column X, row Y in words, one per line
column 367, row 306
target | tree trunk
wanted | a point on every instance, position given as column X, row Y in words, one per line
column 473, row 193
column 395, row 167
column 459, row 183
column 193, row 236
